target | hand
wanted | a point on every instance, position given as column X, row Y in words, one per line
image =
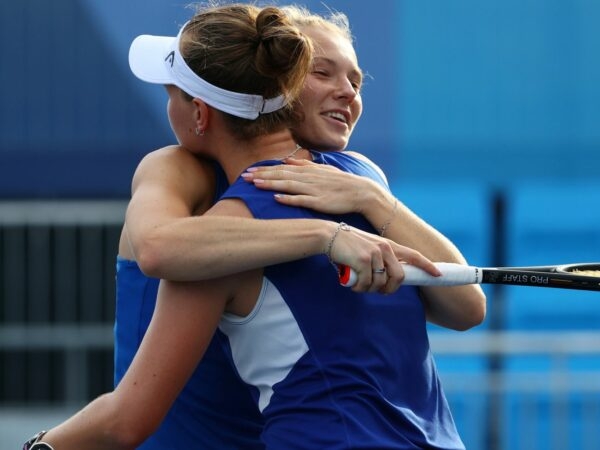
column 318, row 187
column 366, row 253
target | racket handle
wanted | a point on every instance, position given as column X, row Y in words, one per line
column 347, row 275
column 452, row 275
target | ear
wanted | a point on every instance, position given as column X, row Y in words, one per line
column 202, row 115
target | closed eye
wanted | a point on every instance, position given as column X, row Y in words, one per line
column 356, row 85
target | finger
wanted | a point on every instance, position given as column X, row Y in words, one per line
column 395, row 276
column 306, row 166
column 380, row 279
column 415, row 258
column 257, row 169
column 379, row 273
column 299, row 162
column 390, row 287
column 284, row 186
column 303, row 201
column 280, row 168
column 277, row 175
column 364, row 274
column 373, row 279
column 364, row 282
column 279, row 172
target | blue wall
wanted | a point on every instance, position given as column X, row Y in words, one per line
column 509, row 88
column 484, row 91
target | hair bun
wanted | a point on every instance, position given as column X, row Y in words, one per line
column 268, row 19
column 279, row 43
column 250, row 50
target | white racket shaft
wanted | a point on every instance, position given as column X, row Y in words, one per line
column 452, row 275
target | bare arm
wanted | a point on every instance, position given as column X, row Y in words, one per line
column 169, row 353
column 182, row 326
column 328, row 189
column 169, row 238
column 459, row 307
column 167, row 235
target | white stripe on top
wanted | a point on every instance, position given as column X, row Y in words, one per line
column 265, row 344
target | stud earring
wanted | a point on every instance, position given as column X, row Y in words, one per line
column 199, row 132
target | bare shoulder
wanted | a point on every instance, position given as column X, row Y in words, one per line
column 175, row 157
column 177, row 171
column 176, row 163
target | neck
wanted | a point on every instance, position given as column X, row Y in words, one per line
column 237, row 156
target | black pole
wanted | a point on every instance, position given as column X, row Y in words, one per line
column 496, row 320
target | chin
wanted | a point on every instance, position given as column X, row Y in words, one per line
column 334, row 142
column 341, row 144
column 334, row 146
column 328, row 142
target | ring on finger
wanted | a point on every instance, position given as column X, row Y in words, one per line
column 382, row 270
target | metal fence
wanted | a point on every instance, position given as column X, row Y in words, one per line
column 523, row 390
column 507, row 389
column 57, row 266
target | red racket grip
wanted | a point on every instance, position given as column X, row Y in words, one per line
column 347, row 275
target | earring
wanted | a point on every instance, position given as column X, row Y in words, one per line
column 199, row 132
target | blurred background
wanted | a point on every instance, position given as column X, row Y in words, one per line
column 484, row 115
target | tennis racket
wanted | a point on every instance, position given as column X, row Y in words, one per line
column 584, row 276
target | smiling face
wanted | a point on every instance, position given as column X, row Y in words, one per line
column 330, row 101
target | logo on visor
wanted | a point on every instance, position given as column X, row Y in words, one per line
column 170, row 57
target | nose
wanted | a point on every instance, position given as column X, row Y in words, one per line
column 346, row 90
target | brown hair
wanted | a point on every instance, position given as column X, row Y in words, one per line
column 334, row 21
column 252, row 50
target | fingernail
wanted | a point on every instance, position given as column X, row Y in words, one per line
column 251, row 169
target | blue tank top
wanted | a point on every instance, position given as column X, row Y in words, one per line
column 334, row 369
column 215, row 410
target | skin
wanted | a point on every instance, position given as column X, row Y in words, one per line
column 168, row 355
column 331, row 102
column 334, row 86
column 328, row 189
column 167, row 235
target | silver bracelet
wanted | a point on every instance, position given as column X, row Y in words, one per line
column 35, row 442
column 341, row 226
column 388, row 222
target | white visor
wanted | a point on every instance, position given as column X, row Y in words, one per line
column 156, row 59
